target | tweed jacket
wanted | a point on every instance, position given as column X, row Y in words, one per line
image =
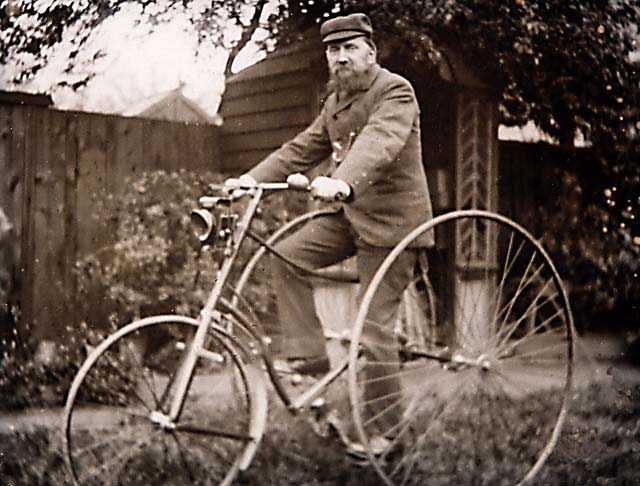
column 373, row 140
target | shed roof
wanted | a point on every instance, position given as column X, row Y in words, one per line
column 170, row 105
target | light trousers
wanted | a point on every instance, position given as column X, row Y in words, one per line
column 322, row 242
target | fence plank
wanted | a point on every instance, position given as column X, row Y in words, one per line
column 16, row 153
column 6, row 169
column 70, row 249
column 129, row 152
column 41, row 219
column 91, row 183
column 7, row 247
column 59, row 301
column 20, row 120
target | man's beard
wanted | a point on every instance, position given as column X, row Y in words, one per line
column 347, row 82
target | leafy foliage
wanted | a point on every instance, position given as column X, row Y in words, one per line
column 26, row 382
column 155, row 263
column 591, row 230
column 522, row 44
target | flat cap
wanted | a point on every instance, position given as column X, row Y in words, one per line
column 346, row 27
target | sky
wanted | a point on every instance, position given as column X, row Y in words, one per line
column 138, row 64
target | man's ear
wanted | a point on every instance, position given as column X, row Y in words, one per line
column 372, row 55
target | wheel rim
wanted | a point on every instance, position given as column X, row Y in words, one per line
column 116, row 419
column 490, row 406
column 254, row 294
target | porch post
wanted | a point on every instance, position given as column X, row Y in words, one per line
column 476, row 178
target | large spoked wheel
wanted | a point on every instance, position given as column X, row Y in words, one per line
column 117, row 425
column 486, row 405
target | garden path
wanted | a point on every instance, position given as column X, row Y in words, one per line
column 600, row 358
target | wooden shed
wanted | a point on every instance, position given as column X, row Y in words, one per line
column 171, row 105
column 270, row 102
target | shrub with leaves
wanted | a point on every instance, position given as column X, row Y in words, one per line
column 27, row 382
column 592, row 233
column 154, row 265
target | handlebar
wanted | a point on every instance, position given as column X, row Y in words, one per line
column 214, row 222
column 296, row 182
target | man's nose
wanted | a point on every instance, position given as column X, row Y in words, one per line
column 342, row 56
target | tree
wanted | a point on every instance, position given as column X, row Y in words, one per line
column 30, row 29
column 565, row 64
column 568, row 65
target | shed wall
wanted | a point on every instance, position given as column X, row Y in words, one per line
column 269, row 103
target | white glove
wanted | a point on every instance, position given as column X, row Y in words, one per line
column 298, row 181
column 328, row 189
column 245, row 181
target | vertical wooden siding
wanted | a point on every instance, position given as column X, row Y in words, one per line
column 52, row 164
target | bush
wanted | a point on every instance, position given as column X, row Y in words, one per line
column 26, row 382
column 155, row 265
column 596, row 247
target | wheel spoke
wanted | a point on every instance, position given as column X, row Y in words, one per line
column 122, row 454
column 186, row 428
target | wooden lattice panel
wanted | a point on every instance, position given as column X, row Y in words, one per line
column 476, row 176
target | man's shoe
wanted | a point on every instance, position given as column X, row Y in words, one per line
column 303, row 366
column 378, row 445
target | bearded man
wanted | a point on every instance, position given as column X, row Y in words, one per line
column 369, row 128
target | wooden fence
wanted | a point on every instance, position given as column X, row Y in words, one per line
column 51, row 164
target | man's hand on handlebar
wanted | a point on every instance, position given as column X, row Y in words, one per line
column 245, row 181
column 329, row 189
column 323, row 188
column 238, row 186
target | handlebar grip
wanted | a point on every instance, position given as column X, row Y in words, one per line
column 298, row 182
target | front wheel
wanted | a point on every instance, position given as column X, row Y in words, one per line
column 116, row 423
column 486, row 405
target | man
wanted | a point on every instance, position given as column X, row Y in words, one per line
column 370, row 129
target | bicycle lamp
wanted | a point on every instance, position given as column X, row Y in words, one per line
column 204, row 224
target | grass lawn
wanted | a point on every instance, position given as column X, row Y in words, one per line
column 600, row 445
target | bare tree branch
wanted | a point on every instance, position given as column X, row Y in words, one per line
column 247, row 34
